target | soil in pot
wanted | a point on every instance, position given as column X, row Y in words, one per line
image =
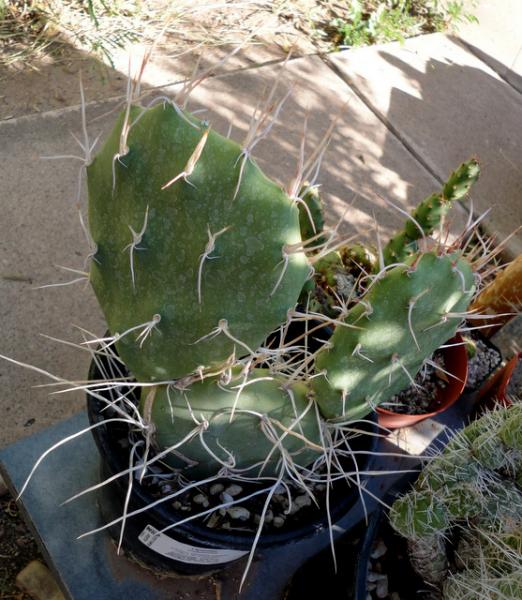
column 425, row 396
column 481, row 365
column 437, row 387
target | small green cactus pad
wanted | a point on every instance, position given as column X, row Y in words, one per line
column 263, row 408
column 363, row 258
column 327, row 267
column 441, row 473
column 488, row 452
column 169, row 273
column 429, row 213
column 399, row 323
column 511, row 430
column 462, row 501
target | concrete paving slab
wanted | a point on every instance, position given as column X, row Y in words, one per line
column 40, row 227
column 354, row 169
column 55, row 83
column 447, row 105
column 496, row 38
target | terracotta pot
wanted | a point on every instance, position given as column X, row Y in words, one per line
column 456, row 362
column 500, row 394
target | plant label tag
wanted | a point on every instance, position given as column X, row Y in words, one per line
column 171, row 548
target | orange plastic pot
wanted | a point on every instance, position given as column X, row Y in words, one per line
column 456, row 363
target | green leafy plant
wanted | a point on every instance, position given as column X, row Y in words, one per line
column 365, row 22
column 384, row 24
column 456, row 13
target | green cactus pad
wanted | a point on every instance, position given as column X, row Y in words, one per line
column 430, row 212
column 488, row 451
column 366, row 365
column 449, row 469
column 327, row 267
column 511, row 430
column 462, row 500
column 238, row 278
column 363, row 258
column 175, row 412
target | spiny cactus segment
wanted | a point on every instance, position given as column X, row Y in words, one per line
column 429, row 213
column 187, row 271
column 361, row 257
column 200, row 258
column 352, row 260
column 250, row 426
column 403, row 318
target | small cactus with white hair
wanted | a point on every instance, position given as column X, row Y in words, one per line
column 470, row 494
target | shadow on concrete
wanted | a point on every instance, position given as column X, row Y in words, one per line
column 52, row 81
column 445, row 111
column 512, row 77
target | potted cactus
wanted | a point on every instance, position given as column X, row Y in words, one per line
column 463, row 518
column 198, row 259
column 212, row 377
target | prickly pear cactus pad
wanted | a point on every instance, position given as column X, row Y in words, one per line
column 191, row 270
column 407, row 313
column 244, row 426
column 430, row 212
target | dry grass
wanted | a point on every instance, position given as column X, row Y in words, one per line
column 31, row 31
column 36, row 30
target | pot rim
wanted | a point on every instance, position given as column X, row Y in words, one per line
column 457, row 357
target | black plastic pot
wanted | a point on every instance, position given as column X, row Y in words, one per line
column 190, row 547
column 360, row 588
column 401, row 576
